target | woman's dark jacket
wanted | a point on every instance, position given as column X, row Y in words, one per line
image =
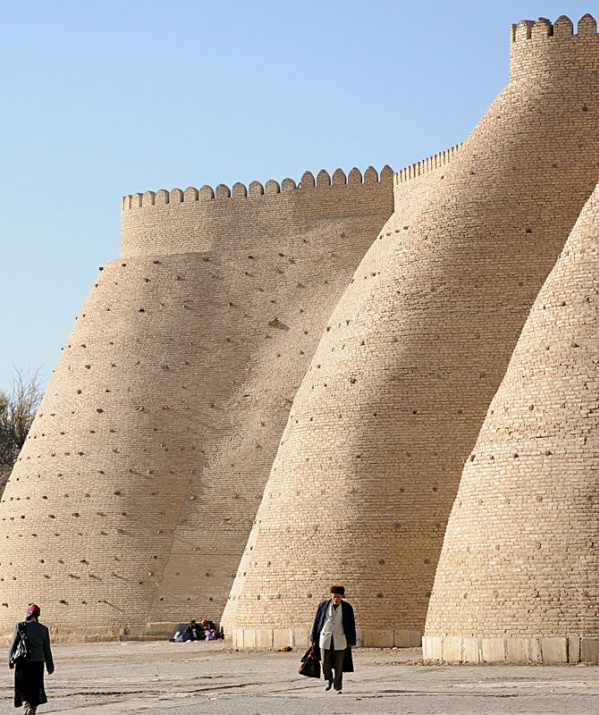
column 38, row 643
column 349, row 628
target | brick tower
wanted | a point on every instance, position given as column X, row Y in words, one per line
column 135, row 492
column 370, row 461
column 519, row 571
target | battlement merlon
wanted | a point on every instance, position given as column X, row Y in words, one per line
column 255, row 188
column 195, row 220
column 418, row 180
column 541, row 48
column 425, row 166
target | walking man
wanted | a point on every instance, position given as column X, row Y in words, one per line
column 334, row 631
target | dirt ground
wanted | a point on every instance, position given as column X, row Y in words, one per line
column 186, row 678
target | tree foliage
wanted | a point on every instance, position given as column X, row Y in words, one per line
column 17, row 410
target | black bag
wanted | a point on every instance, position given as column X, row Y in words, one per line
column 310, row 666
column 20, row 652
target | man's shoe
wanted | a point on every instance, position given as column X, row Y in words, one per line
column 340, row 692
column 330, row 685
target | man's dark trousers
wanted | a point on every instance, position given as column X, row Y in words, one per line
column 333, row 659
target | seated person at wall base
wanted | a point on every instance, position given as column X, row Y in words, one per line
column 209, row 630
column 205, row 630
column 195, row 631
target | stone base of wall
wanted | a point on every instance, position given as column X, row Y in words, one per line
column 542, row 649
column 299, row 638
column 72, row 635
column 155, row 631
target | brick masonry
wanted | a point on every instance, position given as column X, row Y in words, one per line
column 135, row 493
column 371, row 458
column 521, row 555
column 267, row 367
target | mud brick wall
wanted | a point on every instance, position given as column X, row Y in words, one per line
column 519, row 569
column 371, row 458
column 135, row 492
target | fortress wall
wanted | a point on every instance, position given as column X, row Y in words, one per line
column 306, row 291
column 416, row 183
column 518, row 576
column 135, row 492
column 412, row 185
column 371, row 457
column 92, row 502
column 197, row 220
column 541, row 49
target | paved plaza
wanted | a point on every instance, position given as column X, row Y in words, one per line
column 197, row 678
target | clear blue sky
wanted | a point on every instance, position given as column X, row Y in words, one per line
column 102, row 99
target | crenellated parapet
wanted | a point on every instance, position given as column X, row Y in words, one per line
column 194, row 220
column 542, row 47
column 414, row 182
column 271, row 188
column 425, row 166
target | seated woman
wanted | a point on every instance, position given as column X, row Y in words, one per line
column 209, row 630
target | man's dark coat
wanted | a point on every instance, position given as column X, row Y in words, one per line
column 349, row 627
